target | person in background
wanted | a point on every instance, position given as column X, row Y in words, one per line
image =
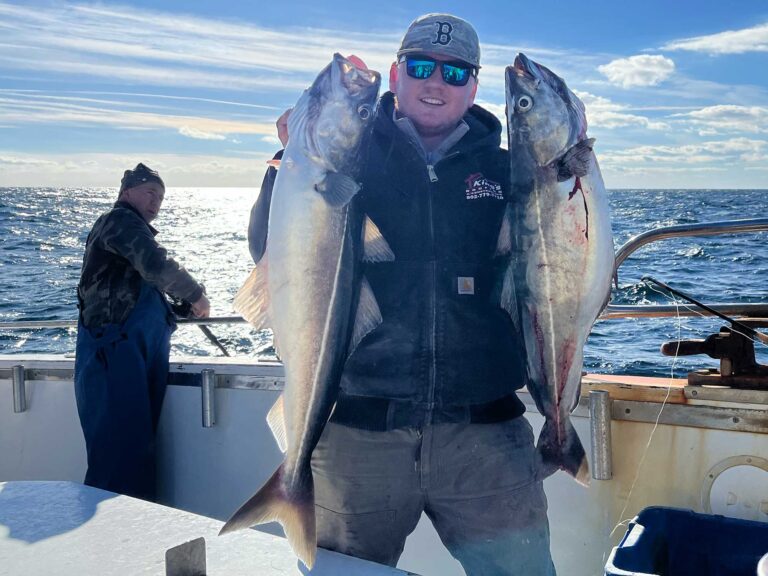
column 123, row 336
column 427, row 419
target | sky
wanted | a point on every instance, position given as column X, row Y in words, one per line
column 676, row 91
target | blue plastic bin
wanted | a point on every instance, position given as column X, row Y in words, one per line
column 675, row 542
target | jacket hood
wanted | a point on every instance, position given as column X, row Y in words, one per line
column 484, row 127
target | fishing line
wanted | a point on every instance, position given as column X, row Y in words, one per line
column 733, row 329
column 658, row 416
column 735, row 325
column 675, row 358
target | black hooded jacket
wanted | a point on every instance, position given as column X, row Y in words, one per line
column 443, row 341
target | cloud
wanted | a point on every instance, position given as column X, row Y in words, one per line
column 753, row 39
column 198, row 134
column 32, row 107
column 180, row 50
column 104, row 169
column 23, row 162
column 603, row 113
column 187, row 78
column 729, row 118
column 272, row 140
column 174, row 49
column 143, row 74
column 704, row 156
column 642, row 70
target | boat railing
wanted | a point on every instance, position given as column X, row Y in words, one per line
column 754, row 310
column 612, row 311
column 34, row 324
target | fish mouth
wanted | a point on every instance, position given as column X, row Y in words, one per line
column 524, row 67
column 355, row 79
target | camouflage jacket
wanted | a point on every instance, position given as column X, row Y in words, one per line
column 121, row 252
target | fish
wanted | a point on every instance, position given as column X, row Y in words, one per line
column 307, row 285
column 556, row 235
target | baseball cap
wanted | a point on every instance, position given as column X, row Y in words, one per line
column 443, row 34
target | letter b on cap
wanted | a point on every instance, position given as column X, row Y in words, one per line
column 443, row 33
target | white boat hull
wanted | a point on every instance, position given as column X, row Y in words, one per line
column 210, row 471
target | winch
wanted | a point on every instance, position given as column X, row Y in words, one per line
column 736, row 351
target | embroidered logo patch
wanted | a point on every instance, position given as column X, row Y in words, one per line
column 443, row 33
column 478, row 186
column 466, row 285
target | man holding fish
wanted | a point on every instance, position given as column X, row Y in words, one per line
column 421, row 409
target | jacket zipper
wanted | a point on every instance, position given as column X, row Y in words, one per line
column 432, row 300
column 433, row 291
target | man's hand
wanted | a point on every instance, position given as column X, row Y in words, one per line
column 201, row 308
column 282, row 127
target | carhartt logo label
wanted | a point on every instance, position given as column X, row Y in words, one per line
column 478, row 186
column 443, row 33
column 466, row 285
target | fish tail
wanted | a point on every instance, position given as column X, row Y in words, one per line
column 294, row 510
column 561, row 449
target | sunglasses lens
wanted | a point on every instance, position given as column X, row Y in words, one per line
column 455, row 75
column 420, row 69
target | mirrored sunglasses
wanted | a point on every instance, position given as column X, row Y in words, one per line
column 422, row 67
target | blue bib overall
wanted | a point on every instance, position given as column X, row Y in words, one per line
column 121, row 372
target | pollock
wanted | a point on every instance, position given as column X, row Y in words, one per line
column 307, row 284
column 557, row 236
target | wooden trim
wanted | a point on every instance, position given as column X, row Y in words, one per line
column 636, row 388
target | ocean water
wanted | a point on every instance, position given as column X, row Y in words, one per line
column 43, row 232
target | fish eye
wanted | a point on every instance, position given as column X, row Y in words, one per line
column 524, row 103
column 364, row 112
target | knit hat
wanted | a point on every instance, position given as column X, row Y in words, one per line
column 442, row 34
column 138, row 176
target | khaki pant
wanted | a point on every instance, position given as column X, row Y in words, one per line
column 478, row 483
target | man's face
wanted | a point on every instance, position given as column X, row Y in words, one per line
column 146, row 198
column 433, row 106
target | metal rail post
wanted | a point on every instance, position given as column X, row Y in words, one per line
column 208, row 387
column 19, row 389
column 600, row 428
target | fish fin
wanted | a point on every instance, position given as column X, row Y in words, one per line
column 276, row 421
column 563, row 451
column 575, row 162
column 508, row 296
column 504, row 243
column 337, row 189
column 367, row 316
column 375, row 247
column 252, row 300
column 294, row 511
